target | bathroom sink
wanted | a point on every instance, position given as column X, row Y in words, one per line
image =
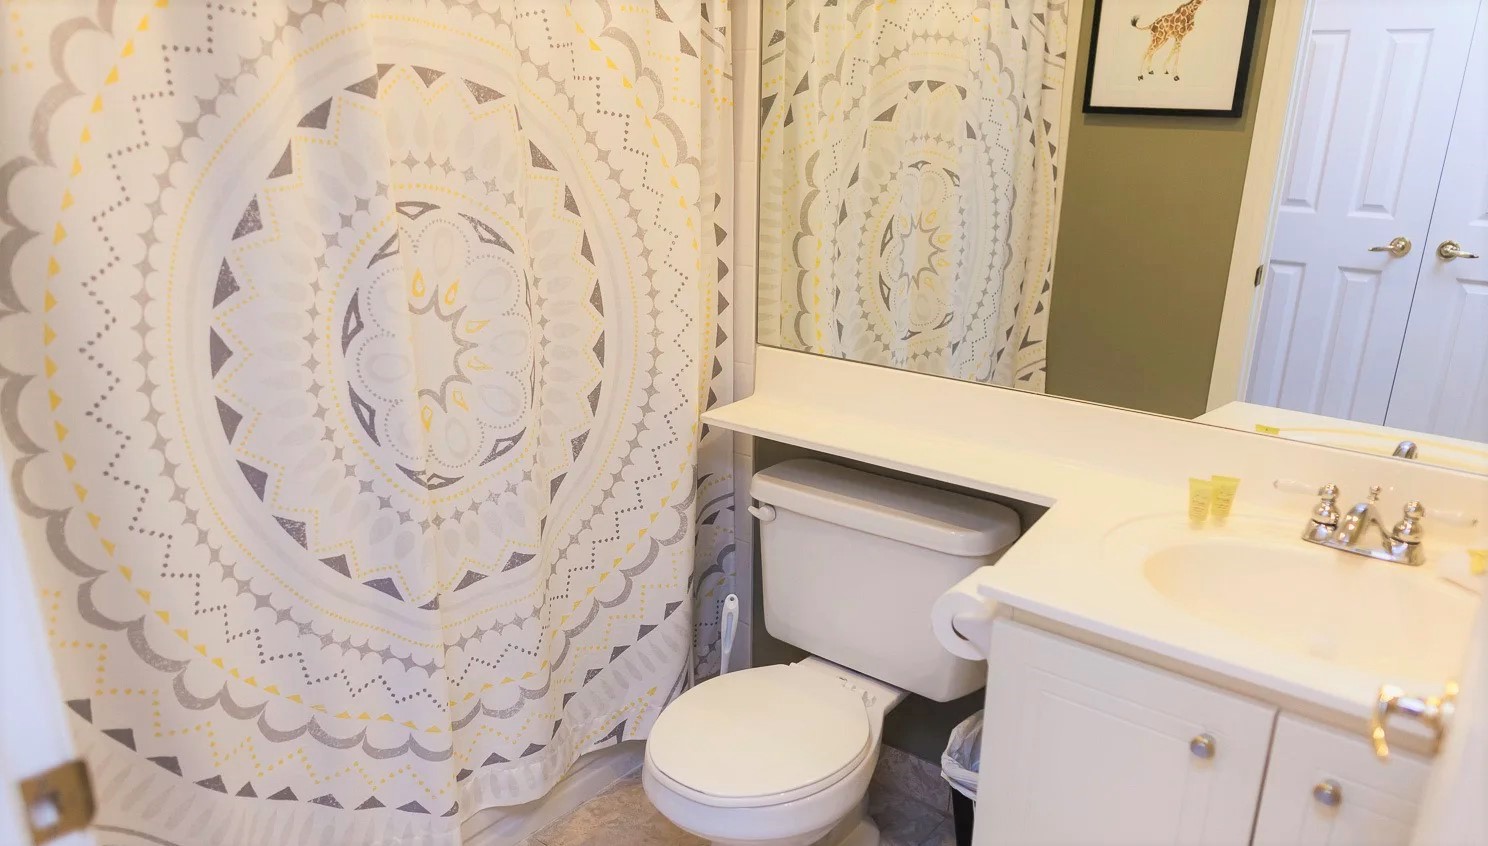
column 1256, row 580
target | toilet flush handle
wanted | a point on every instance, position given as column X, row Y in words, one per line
column 763, row 513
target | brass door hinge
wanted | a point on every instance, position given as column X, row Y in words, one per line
column 58, row 801
column 1260, row 275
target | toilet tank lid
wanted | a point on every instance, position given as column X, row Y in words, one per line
column 943, row 521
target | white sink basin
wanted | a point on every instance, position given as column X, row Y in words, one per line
column 1256, row 579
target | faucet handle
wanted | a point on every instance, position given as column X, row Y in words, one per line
column 1409, row 529
column 1326, row 511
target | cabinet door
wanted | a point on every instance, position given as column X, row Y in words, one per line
column 1375, row 800
column 1080, row 746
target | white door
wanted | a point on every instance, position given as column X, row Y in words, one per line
column 1326, row 788
column 1441, row 385
column 1084, row 747
column 1377, row 90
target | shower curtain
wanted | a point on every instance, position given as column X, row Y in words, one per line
column 908, row 182
column 351, row 358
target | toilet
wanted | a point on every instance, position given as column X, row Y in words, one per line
column 852, row 563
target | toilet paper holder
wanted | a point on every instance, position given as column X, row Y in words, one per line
column 974, row 628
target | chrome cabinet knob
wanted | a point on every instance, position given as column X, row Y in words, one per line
column 1202, row 746
column 1398, row 247
column 1453, row 250
column 1328, row 792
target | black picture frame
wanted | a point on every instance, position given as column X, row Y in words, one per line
column 1242, row 75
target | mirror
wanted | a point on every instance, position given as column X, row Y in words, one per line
column 945, row 188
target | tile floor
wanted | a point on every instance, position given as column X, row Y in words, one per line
column 907, row 799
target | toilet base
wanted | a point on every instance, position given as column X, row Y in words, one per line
column 856, row 829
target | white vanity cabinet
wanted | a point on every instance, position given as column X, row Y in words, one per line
column 1325, row 787
column 1082, row 746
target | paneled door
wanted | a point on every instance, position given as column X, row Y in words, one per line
column 1326, row 788
column 1377, row 90
column 1080, row 746
column 1441, row 384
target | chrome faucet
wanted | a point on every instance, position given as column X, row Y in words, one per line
column 1345, row 532
column 1405, row 449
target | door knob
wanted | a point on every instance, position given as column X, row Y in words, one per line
column 1202, row 746
column 1397, row 247
column 1328, row 792
column 1452, row 249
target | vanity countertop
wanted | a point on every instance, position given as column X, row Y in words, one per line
column 1448, row 452
column 1081, row 565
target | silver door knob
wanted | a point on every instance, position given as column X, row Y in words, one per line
column 1453, row 250
column 1397, row 247
column 1202, row 746
column 1328, row 792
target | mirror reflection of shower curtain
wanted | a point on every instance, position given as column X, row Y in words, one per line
column 908, row 182
column 351, row 359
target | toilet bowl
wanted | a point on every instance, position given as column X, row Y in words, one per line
column 777, row 755
column 852, row 564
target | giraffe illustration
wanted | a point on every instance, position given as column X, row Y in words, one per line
column 1175, row 26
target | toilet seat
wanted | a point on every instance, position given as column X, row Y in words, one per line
column 762, row 736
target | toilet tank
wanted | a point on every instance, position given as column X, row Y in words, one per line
column 852, row 563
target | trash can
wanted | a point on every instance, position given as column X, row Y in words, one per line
column 961, row 766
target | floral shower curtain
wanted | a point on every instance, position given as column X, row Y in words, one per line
column 908, row 182
column 351, row 358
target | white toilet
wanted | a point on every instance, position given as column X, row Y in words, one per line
column 852, row 563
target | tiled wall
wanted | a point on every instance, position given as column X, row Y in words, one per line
column 746, row 43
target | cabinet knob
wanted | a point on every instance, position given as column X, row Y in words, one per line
column 1327, row 792
column 1202, row 746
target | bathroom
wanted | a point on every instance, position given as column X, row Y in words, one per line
column 560, row 422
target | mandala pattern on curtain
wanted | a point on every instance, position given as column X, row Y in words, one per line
column 352, row 358
column 908, row 182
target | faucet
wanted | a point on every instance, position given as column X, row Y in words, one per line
column 1405, row 449
column 1346, row 532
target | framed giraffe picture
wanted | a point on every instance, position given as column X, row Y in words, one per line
column 1170, row 57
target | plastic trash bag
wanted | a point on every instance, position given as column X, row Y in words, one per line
column 961, row 765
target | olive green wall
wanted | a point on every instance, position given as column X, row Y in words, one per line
column 1147, row 225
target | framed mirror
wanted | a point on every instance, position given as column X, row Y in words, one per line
column 933, row 197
